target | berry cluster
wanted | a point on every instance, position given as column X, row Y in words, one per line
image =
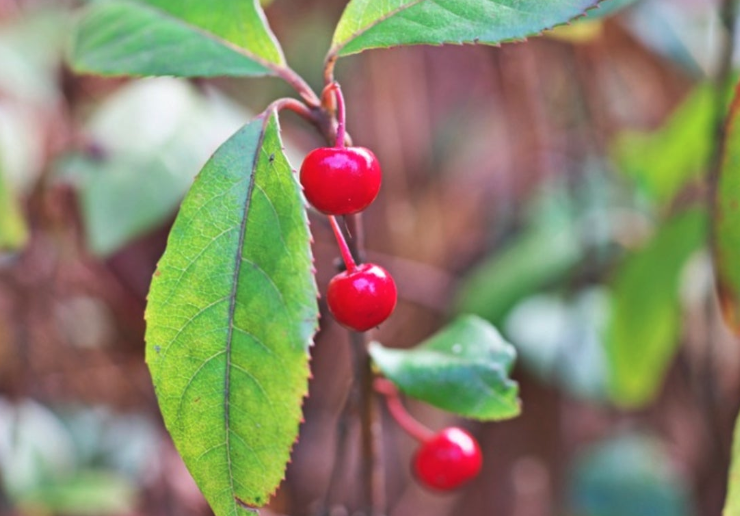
column 343, row 181
column 340, row 181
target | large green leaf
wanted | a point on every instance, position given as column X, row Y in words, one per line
column 645, row 322
column 187, row 38
column 231, row 313
column 462, row 369
column 368, row 24
column 662, row 162
column 732, row 504
column 726, row 222
column 13, row 229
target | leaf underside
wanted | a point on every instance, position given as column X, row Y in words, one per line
column 726, row 222
column 184, row 38
column 463, row 369
column 367, row 24
column 231, row 314
column 643, row 331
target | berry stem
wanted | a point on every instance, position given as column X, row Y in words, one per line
column 295, row 106
column 392, row 399
column 335, row 88
column 349, row 261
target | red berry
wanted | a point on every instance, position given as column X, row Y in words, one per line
column 363, row 298
column 448, row 460
column 340, row 181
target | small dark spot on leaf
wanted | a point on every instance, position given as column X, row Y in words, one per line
column 157, row 349
column 272, row 157
column 157, row 273
column 197, row 400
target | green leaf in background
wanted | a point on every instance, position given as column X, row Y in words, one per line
column 645, row 323
column 232, row 310
column 368, row 24
column 560, row 340
column 13, row 229
column 627, row 475
column 726, row 222
column 186, row 38
column 86, row 493
column 153, row 137
column 732, row 503
column 662, row 162
column 463, row 369
column 538, row 257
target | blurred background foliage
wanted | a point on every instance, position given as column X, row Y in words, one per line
column 552, row 187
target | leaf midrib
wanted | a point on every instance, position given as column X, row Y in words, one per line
column 232, row 303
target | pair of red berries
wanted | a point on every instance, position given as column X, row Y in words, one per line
column 344, row 181
column 448, row 459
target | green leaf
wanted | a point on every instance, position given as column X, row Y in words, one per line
column 13, row 229
column 645, row 322
column 462, row 369
column 153, row 136
column 726, row 222
column 186, row 38
column 368, row 24
column 560, row 340
column 231, row 314
column 541, row 255
column 662, row 162
column 732, row 504
column 93, row 493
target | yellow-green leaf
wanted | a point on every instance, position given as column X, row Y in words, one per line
column 13, row 229
column 645, row 323
column 231, row 314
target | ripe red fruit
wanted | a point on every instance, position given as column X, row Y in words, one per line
column 362, row 298
column 448, row 460
column 340, row 181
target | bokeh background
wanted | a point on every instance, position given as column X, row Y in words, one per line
column 533, row 184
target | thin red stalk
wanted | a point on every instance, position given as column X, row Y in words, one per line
column 409, row 425
column 341, row 116
column 295, row 106
column 298, row 84
column 349, row 261
column 341, row 133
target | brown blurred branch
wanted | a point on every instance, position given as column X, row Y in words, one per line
column 723, row 84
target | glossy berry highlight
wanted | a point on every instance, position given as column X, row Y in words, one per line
column 340, row 181
column 362, row 297
column 448, row 460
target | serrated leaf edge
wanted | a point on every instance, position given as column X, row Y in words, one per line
column 336, row 48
